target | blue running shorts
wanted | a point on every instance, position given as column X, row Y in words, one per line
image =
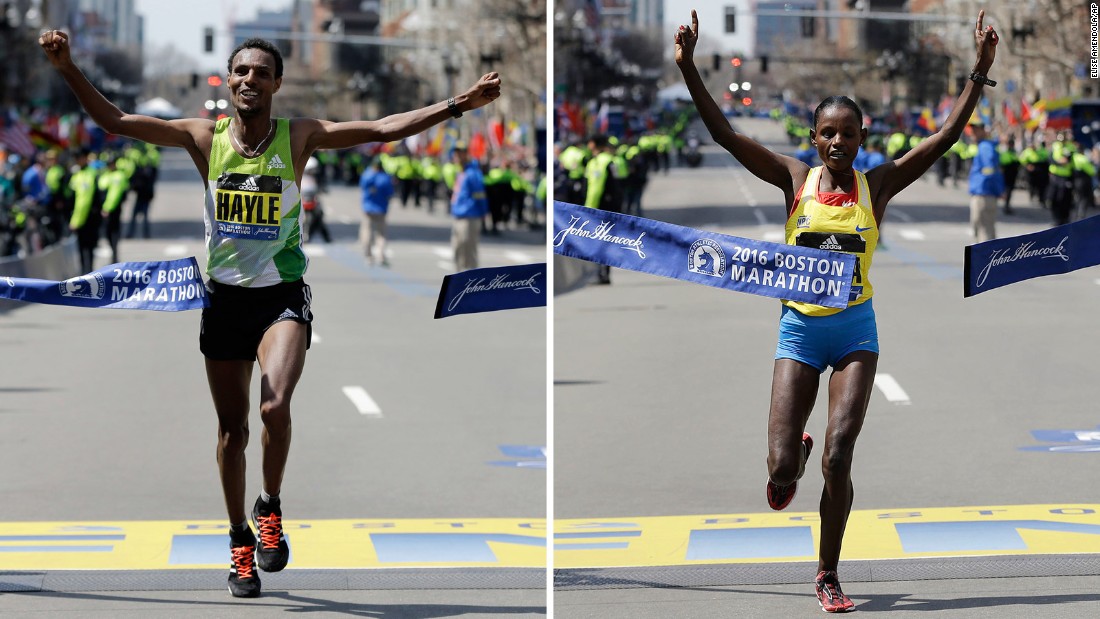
column 821, row 341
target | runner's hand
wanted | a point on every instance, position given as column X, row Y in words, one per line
column 56, row 45
column 685, row 40
column 987, row 45
column 485, row 91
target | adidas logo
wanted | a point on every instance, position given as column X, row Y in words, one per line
column 287, row 315
column 276, row 163
column 249, row 184
column 831, row 243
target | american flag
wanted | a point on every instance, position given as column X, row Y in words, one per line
column 592, row 10
column 15, row 136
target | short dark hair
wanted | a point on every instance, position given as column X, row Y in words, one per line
column 261, row 44
column 838, row 101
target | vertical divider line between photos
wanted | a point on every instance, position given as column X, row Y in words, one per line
column 549, row 218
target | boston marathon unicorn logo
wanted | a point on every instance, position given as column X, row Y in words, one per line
column 90, row 286
column 707, row 258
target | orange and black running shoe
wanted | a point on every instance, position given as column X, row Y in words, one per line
column 779, row 497
column 272, row 553
column 244, row 582
column 829, row 595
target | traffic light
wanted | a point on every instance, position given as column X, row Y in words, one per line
column 746, row 101
column 763, row 64
column 214, row 80
column 208, row 40
column 736, row 62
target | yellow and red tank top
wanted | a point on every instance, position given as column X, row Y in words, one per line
column 835, row 222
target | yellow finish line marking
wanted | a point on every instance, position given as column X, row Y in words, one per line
column 871, row 534
column 333, row 544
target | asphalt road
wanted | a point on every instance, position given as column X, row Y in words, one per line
column 105, row 415
column 661, row 387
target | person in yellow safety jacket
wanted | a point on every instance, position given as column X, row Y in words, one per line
column 126, row 165
column 540, row 200
column 56, row 182
column 114, row 182
column 1060, row 192
column 636, row 177
column 498, row 190
column 389, row 163
column 604, row 186
column 664, row 150
column 87, row 217
column 1083, row 174
column 895, row 145
column 573, row 159
column 914, row 141
column 1010, row 168
column 431, row 174
column 521, row 188
column 408, row 178
column 1034, row 160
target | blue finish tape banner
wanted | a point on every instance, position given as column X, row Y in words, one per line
column 168, row 286
column 1061, row 249
column 746, row 265
column 491, row 289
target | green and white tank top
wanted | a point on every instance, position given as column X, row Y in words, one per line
column 252, row 206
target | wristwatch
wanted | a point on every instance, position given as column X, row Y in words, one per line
column 981, row 79
column 452, row 107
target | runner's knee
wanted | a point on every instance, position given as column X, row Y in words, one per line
column 784, row 467
column 275, row 414
column 838, row 456
column 233, row 440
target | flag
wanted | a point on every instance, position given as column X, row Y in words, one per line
column 1025, row 111
column 496, row 134
column 477, row 146
column 1057, row 114
column 927, row 121
column 436, row 145
column 592, row 11
column 15, row 136
column 1010, row 117
column 603, row 118
column 1038, row 114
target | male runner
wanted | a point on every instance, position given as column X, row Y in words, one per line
column 252, row 165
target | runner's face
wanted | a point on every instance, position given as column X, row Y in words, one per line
column 252, row 81
column 838, row 136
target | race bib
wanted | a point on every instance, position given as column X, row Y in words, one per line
column 248, row 206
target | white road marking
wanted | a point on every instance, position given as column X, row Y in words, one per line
column 175, row 250
column 442, row 252
column 1098, row 282
column 517, row 256
column 102, row 252
column 446, row 265
column 313, row 250
column 902, row 215
column 774, row 235
column 363, row 402
column 891, row 389
column 910, row 234
column 344, row 219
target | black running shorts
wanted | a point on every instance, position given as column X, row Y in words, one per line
column 237, row 318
